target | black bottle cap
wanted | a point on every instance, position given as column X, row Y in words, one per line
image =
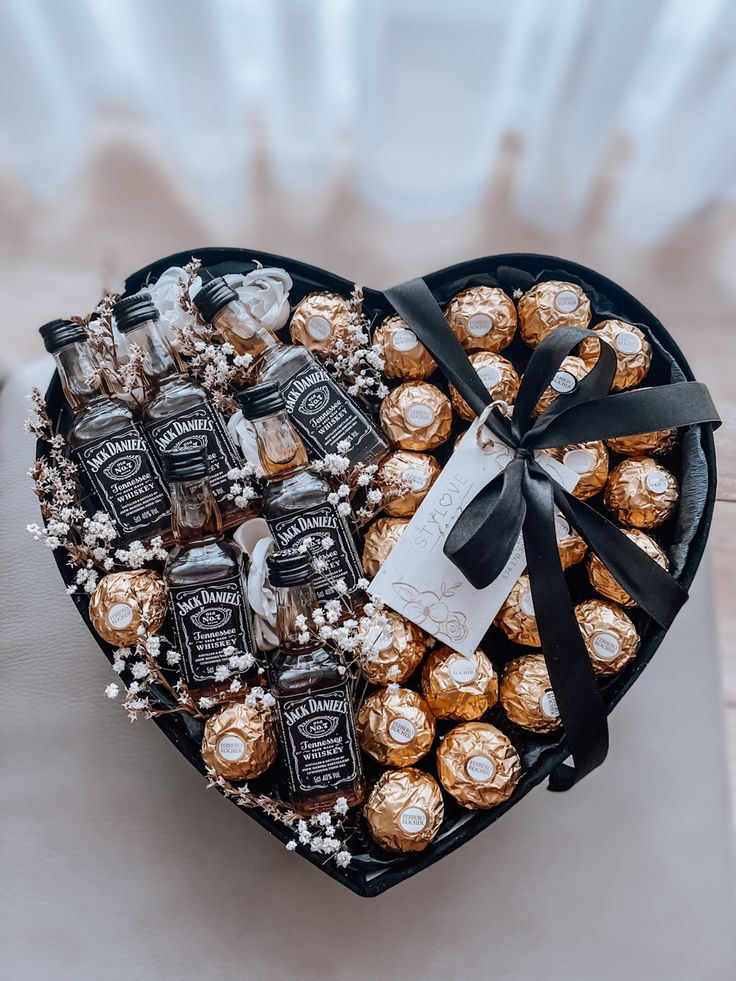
column 186, row 463
column 261, row 400
column 214, row 295
column 290, row 568
column 134, row 310
column 58, row 333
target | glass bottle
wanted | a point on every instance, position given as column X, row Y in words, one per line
column 324, row 414
column 295, row 501
column 177, row 411
column 116, row 471
column 204, row 575
column 314, row 703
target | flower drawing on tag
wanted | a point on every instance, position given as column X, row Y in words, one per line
column 430, row 610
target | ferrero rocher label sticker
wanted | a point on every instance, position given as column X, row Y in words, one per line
column 119, row 616
column 563, row 382
column 566, row 301
column 420, row 582
column 628, row 343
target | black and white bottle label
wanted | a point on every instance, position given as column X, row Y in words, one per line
column 120, row 473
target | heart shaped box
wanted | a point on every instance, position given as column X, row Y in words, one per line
column 693, row 462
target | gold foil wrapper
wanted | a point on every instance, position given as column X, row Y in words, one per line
column 603, row 581
column 458, row 687
column 483, row 318
column 404, row 355
column 570, row 545
column 239, row 741
column 378, row 541
column 124, row 601
column 549, row 306
column 319, row 321
column 395, row 726
column 416, row 416
column 644, row 444
column 478, row 765
column 526, row 694
column 391, row 648
column 516, row 616
column 610, row 636
column 590, row 461
column 497, row 374
column 633, row 352
column 405, row 479
column 641, row 492
column 405, row 810
column 565, row 382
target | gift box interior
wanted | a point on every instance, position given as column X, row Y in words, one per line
column 373, row 870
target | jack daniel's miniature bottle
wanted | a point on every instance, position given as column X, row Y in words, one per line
column 322, row 412
column 178, row 412
column 295, row 502
column 313, row 697
column 204, row 576
column 115, row 468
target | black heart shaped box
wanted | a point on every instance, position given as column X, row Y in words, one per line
column 371, row 870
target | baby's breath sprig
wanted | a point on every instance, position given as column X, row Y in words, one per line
column 353, row 361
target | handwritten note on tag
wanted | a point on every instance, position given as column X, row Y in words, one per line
column 420, row 582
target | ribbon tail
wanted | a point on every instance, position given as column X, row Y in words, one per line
column 581, row 706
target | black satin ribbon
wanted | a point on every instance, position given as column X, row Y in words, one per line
column 522, row 500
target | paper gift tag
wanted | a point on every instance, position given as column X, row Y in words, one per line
column 420, row 582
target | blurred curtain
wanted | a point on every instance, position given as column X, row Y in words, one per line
column 409, row 100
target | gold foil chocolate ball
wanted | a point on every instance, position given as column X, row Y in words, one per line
column 570, row 373
column 590, row 461
column 516, row 616
column 416, row 416
column 497, row 374
column 478, row 765
column 404, row 355
column 570, row 545
column 124, row 601
column 391, row 648
column 644, row 444
column 405, row 479
column 603, row 581
column 405, row 810
column 526, row 694
column 319, row 321
column 641, row 492
column 378, row 541
column 395, row 726
column 459, row 687
column 239, row 741
column 483, row 318
column 549, row 306
column 633, row 352
column 609, row 635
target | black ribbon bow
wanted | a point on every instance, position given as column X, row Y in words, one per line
column 522, row 500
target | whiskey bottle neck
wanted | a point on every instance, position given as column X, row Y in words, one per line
column 79, row 379
column 280, row 450
column 294, row 602
column 158, row 358
column 235, row 323
column 195, row 516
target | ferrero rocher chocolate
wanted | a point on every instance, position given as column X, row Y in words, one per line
column 405, row 810
column 483, row 318
column 570, row 545
column 590, row 461
column 609, row 635
column 395, row 726
column 497, row 374
column 391, row 648
column 516, row 616
column 604, row 582
column 478, row 765
column 526, row 694
column 405, row 479
column 459, row 687
column 416, row 416
column 239, row 741
column 319, row 320
column 643, row 444
column 549, row 306
column 124, row 601
column 571, row 371
column 404, row 356
column 378, row 541
column 641, row 492
column 633, row 352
